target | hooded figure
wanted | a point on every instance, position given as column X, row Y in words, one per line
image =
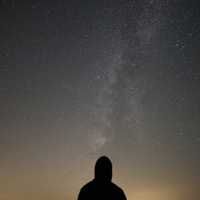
column 101, row 187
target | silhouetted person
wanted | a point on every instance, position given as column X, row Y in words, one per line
column 101, row 187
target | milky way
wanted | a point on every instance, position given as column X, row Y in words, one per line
column 126, row 77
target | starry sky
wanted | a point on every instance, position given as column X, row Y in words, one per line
column 81, row 79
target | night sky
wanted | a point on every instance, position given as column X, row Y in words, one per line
column 81, row 79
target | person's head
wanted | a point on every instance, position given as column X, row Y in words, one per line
column 103, row 169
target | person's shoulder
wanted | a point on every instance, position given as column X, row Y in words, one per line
column 116, row 187
column 87, row 186
column 84, row 191
column 118, row 190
